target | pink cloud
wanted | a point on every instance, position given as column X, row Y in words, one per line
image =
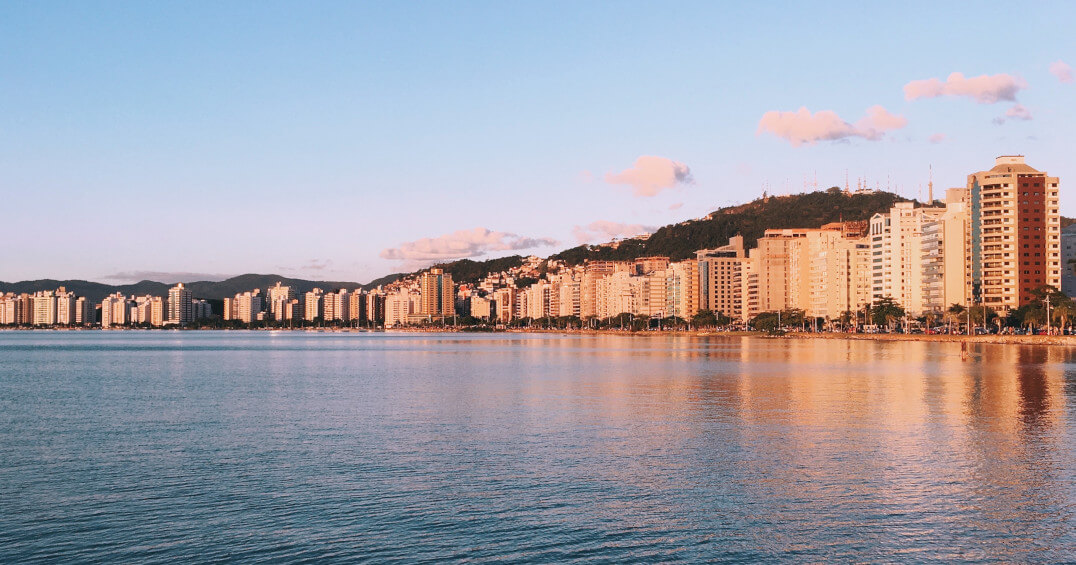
column 605, row 230
column 650, row 175
column 937, row 138
column 985, row 89
column 802, row 126
column 460, row 245
column 1017, row 112
column 1061, row 70
column 676, row 206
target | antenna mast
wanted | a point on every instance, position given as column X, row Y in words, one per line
column 930, row 185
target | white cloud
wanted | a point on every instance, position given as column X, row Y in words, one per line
column 603, row 230
column 650, row 175
column 802, row 126
column 1061, row 70
column 461, row 245
column 984, row 89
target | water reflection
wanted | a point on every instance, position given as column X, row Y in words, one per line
column 534, row 447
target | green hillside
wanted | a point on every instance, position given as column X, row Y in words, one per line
column 751, row 220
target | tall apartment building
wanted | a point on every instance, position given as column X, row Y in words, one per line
column 1068, row 261
column 375, row 307
column 539, row 300
column 682, row 289
column 44, row 305
column 946, row 249
column 157, row 312
column 504, row 300
column 840, row 270
column 1015, row 233
column 65, row 307
column 783, row 266
column 479, row 307
column 85, row 312
column 438, row 294
column 356, row 306
column 115, row 311
column 652, row 299
column 278, row 296
column 720, row 278
column 246, row 306
column 336, row 306
column 897, row 254
column 8, row 309
column 312, row 305
column 594, row 271
column 179, row 305
column 399, row 306
column 569, row 289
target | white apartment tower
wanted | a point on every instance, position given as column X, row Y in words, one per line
column 179, row 305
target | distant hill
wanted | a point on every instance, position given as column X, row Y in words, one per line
column 751, row 220
column 201, row 289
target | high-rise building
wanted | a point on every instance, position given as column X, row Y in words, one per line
column 278, row 297
column 1015, row 233
column 593, row 272
column 399, row 306
column 504, row 300
column 356, row 306
column 85, row 313
column 438, row 294
column 720, row 272
column 569, row 287
column 247, row 306
column 946, row 250
column 336, row 306
column 115, row 310
column 840, row 273
column 179, row 305
column 1068, row 261
column 8, row 309
column 479, row 307
column 312, row 305
column 897, row 254
column 44, row 304
column 65, row 307
column 682, row 289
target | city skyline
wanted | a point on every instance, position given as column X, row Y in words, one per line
column 356, row 141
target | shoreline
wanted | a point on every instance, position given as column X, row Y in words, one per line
column 1057, row 340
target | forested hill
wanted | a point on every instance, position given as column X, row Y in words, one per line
column 751, row 220
column 462, row 270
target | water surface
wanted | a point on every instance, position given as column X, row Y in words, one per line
column 197, row 446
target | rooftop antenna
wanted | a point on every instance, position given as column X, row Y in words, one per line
column 846, row 187
column 816, row 179
column 930, row 185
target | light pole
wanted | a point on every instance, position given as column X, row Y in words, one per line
column 1047, row 300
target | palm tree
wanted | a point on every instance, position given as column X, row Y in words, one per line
column 954, row 313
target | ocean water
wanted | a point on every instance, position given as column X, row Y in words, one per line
column 149, row 447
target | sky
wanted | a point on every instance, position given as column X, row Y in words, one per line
column 345, row 141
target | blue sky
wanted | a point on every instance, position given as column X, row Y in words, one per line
column 346, row 141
